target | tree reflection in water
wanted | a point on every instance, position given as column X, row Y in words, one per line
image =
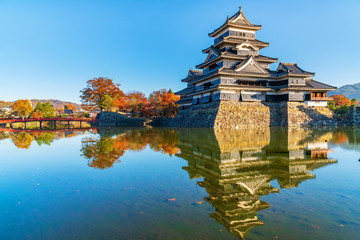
column 105, row 150
column 22, row 140
column 25, row 139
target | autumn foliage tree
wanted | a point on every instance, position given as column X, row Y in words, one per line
column 136, row 102
column 23, row 108
column 163, row 103
column 96, row 89
column 69, row 107
column 340, row 100
column 339, row 104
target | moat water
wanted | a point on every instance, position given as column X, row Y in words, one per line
column 127, row 183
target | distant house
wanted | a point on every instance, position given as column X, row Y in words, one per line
column 6, row 109
column 68, row 111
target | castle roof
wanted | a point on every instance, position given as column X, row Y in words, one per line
column 192, row 74
column 229, row 55
column 235, row 40
column 238, row 20
column 291, row 69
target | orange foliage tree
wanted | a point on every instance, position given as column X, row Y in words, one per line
column 70, row 107
column 36, row 114
column 341, row 100
column 162, row 104
column 23, row 108
column 92, row 95
column 136, row 102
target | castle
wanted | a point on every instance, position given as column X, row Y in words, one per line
column 235, row 73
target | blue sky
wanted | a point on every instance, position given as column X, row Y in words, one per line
column 49, row 49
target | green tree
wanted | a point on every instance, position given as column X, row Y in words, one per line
column 23, row 108
column 354, row 101
column 46, row 109
column 106, row 103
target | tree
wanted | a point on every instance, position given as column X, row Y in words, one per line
column 136, row 102
column 23, row 108
column 162, row 103
column 340, row 100
column 96, row 88
column 36, row 114
column 46, row 109
column 354, row 101
column 69, row 106
column 106, row 103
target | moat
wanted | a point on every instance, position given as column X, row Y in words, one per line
column 162, row 183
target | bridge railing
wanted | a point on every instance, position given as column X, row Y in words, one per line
column 47, row 119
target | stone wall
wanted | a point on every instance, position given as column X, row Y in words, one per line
column 112, row 119
column 352, row 117
column 238, row 115
column 300, row 115
column 199, row 116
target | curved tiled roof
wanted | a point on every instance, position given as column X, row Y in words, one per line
column 291, row 69
column 237, row 20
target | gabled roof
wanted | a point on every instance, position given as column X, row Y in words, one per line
column 319, row 85
column 259, row 58
column 229, row 55
column 292, row 69
column 192, row 74
column 235, row 40
column 310, row 85
column 250, row 65
column 237, row 20
column 213, row 53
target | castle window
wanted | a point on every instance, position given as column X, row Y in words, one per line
column 212, row 67
column 207, row 85
column 195, row 101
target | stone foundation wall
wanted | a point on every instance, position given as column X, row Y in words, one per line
column 199, row 116
column 112, row 119
column 300, row 115
column 236, row 115
column 239, row 115
column 352, row 117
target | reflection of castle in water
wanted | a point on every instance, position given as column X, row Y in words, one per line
column 237, row 168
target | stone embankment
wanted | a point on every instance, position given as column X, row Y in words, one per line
column 352, row 117
column 112, row 119
column 300, row 115
column 240, row 115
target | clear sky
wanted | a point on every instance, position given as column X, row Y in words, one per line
column 49, row 49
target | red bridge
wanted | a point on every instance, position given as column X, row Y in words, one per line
column 41, row 120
